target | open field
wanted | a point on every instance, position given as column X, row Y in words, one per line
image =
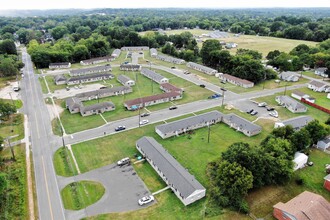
column 144, row 87
column 311, row 74
column 285, row 113
column 179, row 31
column 12, row 127
column 14, row 201
column 79, row 195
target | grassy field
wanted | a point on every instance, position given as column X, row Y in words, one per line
column 79, row 195
column 14, row 202
column 63, row 163
column 12, row 127
column 144, row 87
column 311, row 74
column 321, row 97
column 285, row 113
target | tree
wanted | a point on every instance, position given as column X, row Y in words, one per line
column 230, row 182
column 300, row 140
column 253, row 53
column 316, row 131
column 8, row 47
column 273, row 54
column 207, row 48
column 80, row 52
column 249, row 69
column 327, row 122
column 6, row 109
column 283, row 132
column 8, row 67
column 59, row 31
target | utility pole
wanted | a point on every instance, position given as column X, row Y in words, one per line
column 223, row 96
column 209, row 131
column 11, row 149
column 285, row 88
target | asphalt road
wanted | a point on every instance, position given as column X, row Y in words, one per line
column 42, row 141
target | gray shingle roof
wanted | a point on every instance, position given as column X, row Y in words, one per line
column 59, row 78
column 189, row 122
column 116, row 53
column 290, row 102
column 204, row 68
column 176, row 174
column 130, row 66
column 317, row 84
column 298, row 122
column 123, row 79
column 242, row 123
column 73, row 102
column 152, row 75
column 91, row 70
column 102, row 91
column 90, row 76
column 169, row 59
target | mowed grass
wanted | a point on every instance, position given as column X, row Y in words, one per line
column 13, row 127
column 262, row 200
column 4, row 81
column 321, row 97
column 63, row 163
column 286, row 114
column 79, row 195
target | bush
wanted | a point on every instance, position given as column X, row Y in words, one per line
column 299, row 181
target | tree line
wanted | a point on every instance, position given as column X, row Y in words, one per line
column 243, row 167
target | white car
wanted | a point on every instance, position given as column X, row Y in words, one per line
column 274, row 113
column 143, row 122
column 146, row 200
column 262, row 104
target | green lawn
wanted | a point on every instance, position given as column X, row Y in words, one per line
column 311, row 74
column 14, row 200
column 18, row 103
column 79, row 195
column 286, row 114
column 321, row 97
column 63, row 163
column 43, row 85
column 12, row 127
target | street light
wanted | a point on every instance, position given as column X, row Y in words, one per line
column 223, row 95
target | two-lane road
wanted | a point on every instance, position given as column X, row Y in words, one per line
column 42, row 141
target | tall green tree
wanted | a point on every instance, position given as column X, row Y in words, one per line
column 300, row 140
column 316, row 131
column 207, row 48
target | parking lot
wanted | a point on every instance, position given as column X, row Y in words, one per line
column 248, row 105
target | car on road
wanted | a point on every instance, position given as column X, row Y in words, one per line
column 123, row 161
column 120, row 128
column 173, row 67
column 223, row 89
column 254, row 112
column 103, row 87
column 202, row 85
column 214, row 96
column 144, row 114
column 172, row 107
column 262, row 104
column 146, row 199
column 269, row 108
column 249, row 111
column 144, row 122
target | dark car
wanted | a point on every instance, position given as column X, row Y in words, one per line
column 172, row 107
column 249, row 111
column 269, row 108
column 202, row 85
column 103, row 87
column 172, row 67
column 144, row 114
column 254, row 112
column 120, row 128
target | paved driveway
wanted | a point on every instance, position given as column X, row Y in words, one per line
column 123, row 188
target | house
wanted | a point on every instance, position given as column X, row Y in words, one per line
column 299, row 161
column 305, row 206
column 300, row 95
column 91, row 70
column 116, row 53
column 182, row 183
column 102, row 93
column 291, row 104
column 323, row 144
column 218, row 34
column 89, row 78
column 327, row 182
column 60, row 80
column 153, row 52
column 125, row 80
column 328, row 96
column 236, row 81
column 154, row 76
column 59, row 65
column 96, row 108
column 130, row 67
column 201, row 68
column 170, row 59
column 317, row 86
column 134, row 48
column 135, row 104
column 231, row 45
column 184, row 125
column 297, row 123
column 167, row 87
column 241, row 124
column 73, row 104
column 97, row 60
column 288, row 76
column 321, row 72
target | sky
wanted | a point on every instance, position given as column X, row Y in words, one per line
column 88, row 4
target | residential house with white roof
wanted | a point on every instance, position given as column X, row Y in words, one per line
column 153, row 52
column 297, row 123
column 59, row 65
column 289, row 76
column 90, row 70
column 318, row 86
column 321, row 72
column 89, row 78
column 300, row 95
column 116, row 53
column 130, row 67
column 97, row 60
column 139, row 48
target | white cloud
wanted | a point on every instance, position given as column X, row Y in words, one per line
column 38, row 4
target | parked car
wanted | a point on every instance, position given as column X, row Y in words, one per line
column 146, row 200
column 269, row 108
column 103, row 87
column 16, row 89
column 274, row 114
column 202, row 85
column 143, row 122
column 172, row 67
column 214, row 96
column 172, row 107
column 262, row 104
column 124, row 161
column 120, row 128
column 249, row 111
column 144, row 114
column 254, row 112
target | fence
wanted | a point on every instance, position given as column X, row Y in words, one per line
column 316, row 106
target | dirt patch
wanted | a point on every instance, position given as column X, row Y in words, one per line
column 54, row 111
column 74, row 90
column 8, row 92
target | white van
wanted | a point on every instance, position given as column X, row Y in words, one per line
column 123, row 161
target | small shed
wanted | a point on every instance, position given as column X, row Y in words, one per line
column 323, row 144
column 327, row 182
column 299, row 160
